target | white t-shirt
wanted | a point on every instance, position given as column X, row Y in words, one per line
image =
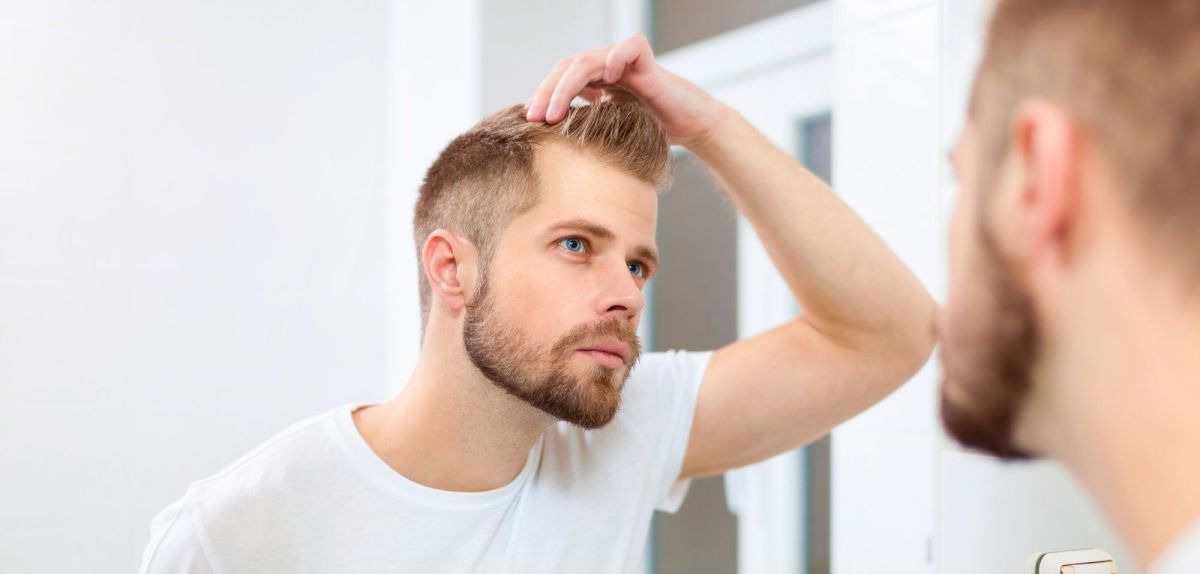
column 316, row 498
column 1182, row 556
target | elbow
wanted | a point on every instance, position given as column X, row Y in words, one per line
column 916, row 339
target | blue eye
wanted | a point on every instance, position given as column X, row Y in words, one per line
column 573, row 244
column 637, row 269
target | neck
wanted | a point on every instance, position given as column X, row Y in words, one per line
column 1126, row 380
column 451, row 428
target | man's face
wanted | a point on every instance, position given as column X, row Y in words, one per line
column 988, row 331
column 554, row 319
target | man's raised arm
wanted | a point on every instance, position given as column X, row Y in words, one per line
column 867, row 323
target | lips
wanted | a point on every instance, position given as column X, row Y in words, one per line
column 620, row 350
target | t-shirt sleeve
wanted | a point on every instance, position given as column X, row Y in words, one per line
column 175, row 544
column 660, row 397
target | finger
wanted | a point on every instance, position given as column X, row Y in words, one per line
column 586, row 68
column 536, row 108
column 626, row 54
column 591, row 94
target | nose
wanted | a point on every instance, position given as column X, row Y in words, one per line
column 621, row 296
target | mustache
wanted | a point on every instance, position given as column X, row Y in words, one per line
column 611, row 328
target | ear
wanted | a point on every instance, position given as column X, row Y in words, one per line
column 1046, row 146
column 449, row 262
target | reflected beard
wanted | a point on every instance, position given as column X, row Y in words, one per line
column 543, row 378
column 988, row 359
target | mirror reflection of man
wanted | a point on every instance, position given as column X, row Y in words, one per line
column 530, row 437
column 1072, row 329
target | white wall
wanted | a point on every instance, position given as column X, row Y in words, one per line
column 905, row 498
column 525, row 38
column 192, row 255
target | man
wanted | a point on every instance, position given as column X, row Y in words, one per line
column 530, row 438
column 1072, row 328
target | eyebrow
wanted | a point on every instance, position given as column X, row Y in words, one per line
column 602, row 232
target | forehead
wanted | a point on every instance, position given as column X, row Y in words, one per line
column 574, row 184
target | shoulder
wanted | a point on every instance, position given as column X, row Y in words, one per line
column 275, row 475
column 175, row 543
column 663, row 380
column 303, row 444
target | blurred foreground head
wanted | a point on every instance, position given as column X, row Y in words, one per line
column 1079, row 169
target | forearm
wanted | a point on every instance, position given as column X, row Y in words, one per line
column 852, row 287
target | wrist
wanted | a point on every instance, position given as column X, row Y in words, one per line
column 715, row 133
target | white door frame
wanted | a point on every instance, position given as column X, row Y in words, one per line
column 774, row 72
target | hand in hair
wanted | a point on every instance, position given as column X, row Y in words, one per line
column 688, row 113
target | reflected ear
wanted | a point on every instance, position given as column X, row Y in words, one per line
column 1047, row 149
column 449, row 263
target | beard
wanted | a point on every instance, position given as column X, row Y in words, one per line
column 542, row 377
column 988, row 355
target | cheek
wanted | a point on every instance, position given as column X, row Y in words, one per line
column 957, row 317
column 540, row 300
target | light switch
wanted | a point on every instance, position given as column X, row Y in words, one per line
column 1090, row 561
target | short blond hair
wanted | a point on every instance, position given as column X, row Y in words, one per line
column 486, row 176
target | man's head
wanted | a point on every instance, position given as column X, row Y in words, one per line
column 1083, row 141
column 535, row 243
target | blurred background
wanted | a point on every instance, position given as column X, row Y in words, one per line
column 205, row 236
